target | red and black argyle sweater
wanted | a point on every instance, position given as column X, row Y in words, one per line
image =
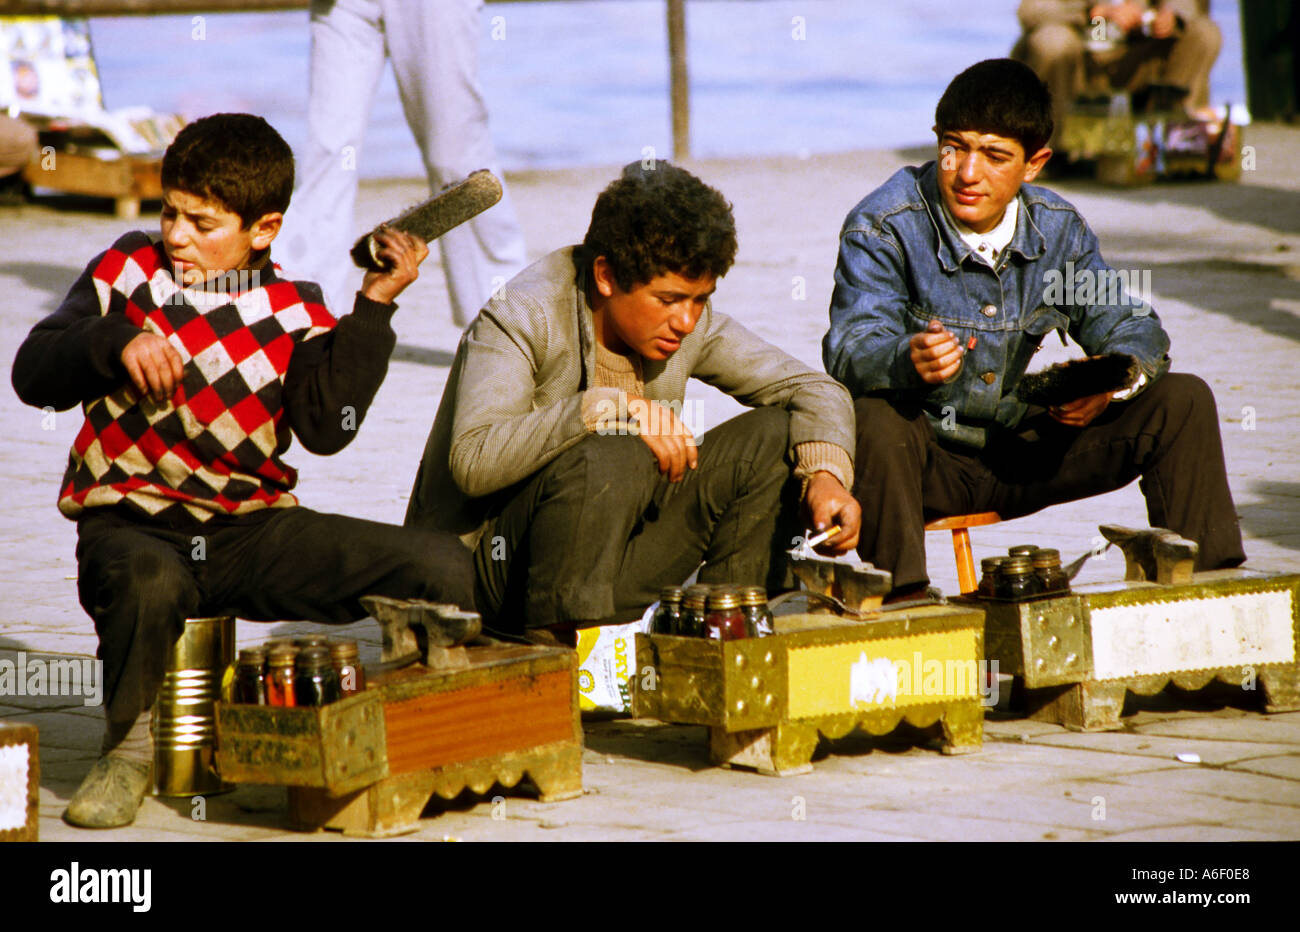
column 214, row 448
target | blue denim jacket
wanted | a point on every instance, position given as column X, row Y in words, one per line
column 902, row 264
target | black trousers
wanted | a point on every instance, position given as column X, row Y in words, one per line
column 593, row 535
column 139, row 583
column 1167, row 436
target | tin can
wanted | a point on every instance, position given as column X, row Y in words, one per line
column 184, row 713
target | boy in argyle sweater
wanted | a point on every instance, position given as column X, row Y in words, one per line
column 196, row 364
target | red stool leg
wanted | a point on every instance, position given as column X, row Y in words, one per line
column 965, row 560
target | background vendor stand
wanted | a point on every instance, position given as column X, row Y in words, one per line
column 50, row 80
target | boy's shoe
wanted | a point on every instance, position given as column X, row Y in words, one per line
column 913, row 596
column 111, row 794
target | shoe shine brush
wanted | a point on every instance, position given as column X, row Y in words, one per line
column 450, row 207
column 1078, row 378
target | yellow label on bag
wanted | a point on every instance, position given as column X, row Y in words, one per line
column 606, row 664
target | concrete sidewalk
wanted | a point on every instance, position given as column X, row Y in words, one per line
column 1225, row 262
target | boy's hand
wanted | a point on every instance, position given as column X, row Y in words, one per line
column 154, row 366
column 1081, row 411
column 827, row 502
column 667, row 437
column 935, row 354
column 1127, row 16
column 403, row 254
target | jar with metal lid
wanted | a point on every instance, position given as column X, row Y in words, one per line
column 1022, row 550
column 250, row 676
column 989, row 576
column 279, row 676
column 346, row 659
column 311, row 640
column 694, row 601
column 668, row 616
column 758, row 619
column 1016, row 579
column 1047, row 566
column 724, row 621
column 315, row 681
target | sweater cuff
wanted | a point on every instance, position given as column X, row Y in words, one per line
column 365, row 308
column 815, row 456
column 115, row 332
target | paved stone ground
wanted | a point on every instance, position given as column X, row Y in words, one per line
column 1225, row 260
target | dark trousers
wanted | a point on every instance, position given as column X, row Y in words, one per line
column 1168, row 436
column 593, row 535
column 139, row 583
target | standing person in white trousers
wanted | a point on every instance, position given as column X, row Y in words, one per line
column 434, row 50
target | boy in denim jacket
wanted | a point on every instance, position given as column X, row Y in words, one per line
column 949, row 277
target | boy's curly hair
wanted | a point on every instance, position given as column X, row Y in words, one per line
column 659, row 218
column 1000, row 96
column 236, row 159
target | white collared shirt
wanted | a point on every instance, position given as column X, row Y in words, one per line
column 988, row 246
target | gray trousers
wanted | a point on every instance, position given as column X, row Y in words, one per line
column 593, row 535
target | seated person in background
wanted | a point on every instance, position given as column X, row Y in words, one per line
column 194, row 361
column 18, row 142
column 1168, row 42
column 559, row 449
column 949, row 277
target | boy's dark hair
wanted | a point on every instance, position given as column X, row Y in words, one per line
column 1000, row 96
column 236, row 159
column 659, row 218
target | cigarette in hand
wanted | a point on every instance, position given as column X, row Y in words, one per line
column 824, row 535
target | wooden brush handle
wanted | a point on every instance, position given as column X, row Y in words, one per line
column 429, row 219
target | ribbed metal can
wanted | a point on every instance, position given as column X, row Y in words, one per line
column 184, row 714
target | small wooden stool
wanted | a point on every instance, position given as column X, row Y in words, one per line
column 959, row 525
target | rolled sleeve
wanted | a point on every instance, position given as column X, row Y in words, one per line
column 814, row 457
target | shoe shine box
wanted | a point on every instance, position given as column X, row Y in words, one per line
column 768, row 700
column 20, row 782
column 1077, row 655
column 369, row 763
